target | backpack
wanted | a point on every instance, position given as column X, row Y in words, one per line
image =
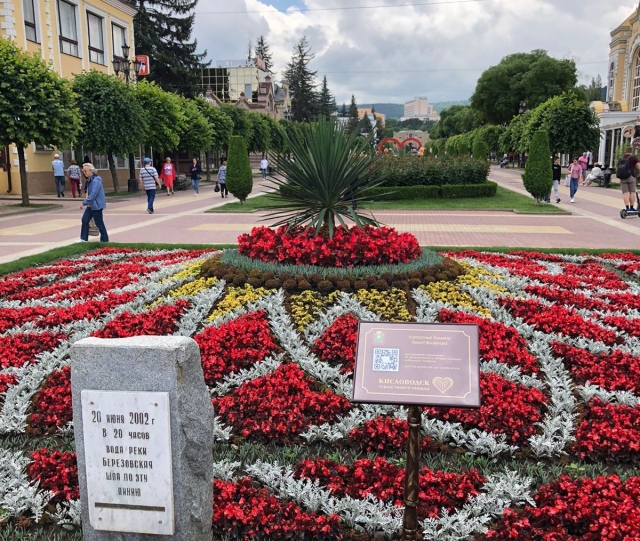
column 624, row 168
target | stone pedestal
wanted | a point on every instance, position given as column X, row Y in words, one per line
column 143, row 424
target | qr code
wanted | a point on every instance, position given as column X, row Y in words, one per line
column 386, row 360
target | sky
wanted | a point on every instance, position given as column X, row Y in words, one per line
column 433, row 48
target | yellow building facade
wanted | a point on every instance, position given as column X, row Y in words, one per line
column 73, row 36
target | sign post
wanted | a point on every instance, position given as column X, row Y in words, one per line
column 417, row 364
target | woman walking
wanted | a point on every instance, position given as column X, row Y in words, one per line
column 575, row 170
column 168, row 175
column 222, row 178
column 74, row 178
column 196, row 175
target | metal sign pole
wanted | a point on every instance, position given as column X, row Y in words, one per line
column 412, row 475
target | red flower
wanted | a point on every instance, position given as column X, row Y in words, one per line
column 53, row 402
column 57, row 472
column 384, row 434
column 337, row 345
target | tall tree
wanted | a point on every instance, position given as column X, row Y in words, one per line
column 250, row 50
column 521, row 81
column 343, row 111
column 593, row 92
column 163, row 113
column 537, row 177
column 163, row 32
column 302, row 84
column 326, row 101
column 379, row 129
column 241, row 121
column 239, row 175
column 354, row 119
column 195, row 131
column 104, row 101
column 36, row 105
column 264, row 51
column 261, row 137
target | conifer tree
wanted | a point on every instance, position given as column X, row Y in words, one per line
column 537, row 178
column 304, row 99
column 354, row 119
column 264, row 51
column 239, row 175
column 343, row 111
column 326, row 101
column 163, row 32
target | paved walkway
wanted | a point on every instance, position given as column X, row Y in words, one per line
column 594, row 223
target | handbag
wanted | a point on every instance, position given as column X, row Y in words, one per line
column 567, row 181
column 216, row 188
column 93, row 229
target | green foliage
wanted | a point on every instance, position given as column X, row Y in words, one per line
column 35, row 105
column 521, row 80
column 104, row 102
column 163, row 32
column 516, row 137
column 354, row 119
column 276, row 132
column 239, row 174
column 455, row 121
column 538, row 174
column 447, row 191
column 221, row 125
column 463, row 147
column 260, row 140
column 490, row 136
column 163, row 113
column 480, row 149
column 570, row 123
column 304, row 100
column 264, row 51
column 195, row 131
column 326, row 101
column 332, row 168
column 242, row 125
column 412, row 170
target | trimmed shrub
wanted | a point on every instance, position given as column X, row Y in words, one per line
column 239, row 175
column 538, row 174
column 431, row 171
column 456, row 191
column 480, row 150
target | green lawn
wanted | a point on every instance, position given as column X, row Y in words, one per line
column 503, row 200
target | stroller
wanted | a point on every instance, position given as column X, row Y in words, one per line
column 624, row 212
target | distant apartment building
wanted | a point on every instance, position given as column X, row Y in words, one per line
column 421, row 109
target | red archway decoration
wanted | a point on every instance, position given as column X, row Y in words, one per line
column 398, row 143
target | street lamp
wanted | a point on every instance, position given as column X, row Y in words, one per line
column 128, row 68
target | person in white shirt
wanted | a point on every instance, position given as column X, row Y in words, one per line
column 264, row 167
column 596, row 173
column 149, row 180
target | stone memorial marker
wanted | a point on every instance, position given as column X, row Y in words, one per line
column 143, row 424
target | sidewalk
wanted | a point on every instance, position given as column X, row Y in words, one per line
column 181, row 218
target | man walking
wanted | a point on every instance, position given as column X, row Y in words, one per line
column 58, row 174
column 557, row 175
column 264, row 167
column 627, row 174
column 93, row 205
column 148, row 181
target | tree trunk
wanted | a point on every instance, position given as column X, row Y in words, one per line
column 206, row 157
column 23, row 176
column 114, row 173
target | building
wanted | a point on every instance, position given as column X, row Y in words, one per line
column 620, row 114
column 74, row 36
column 245, row 83
column 421, row 136
column 369, row 112
column 421, row 109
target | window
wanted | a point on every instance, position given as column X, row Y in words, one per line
column 612, row 80
column 96, row 38
column 68, row 28
column 119, row 39
column 635, row 104
column 29, row 20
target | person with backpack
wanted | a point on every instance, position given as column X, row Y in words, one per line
column 627, row 175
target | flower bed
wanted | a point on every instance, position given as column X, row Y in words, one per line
column 294, row 458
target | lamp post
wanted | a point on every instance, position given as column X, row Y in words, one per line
column 130, row 72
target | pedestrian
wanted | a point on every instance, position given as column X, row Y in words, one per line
column 222, row 178
column 168, row 175
column 149, row 181
column 74, row 178
column 575, row 170
column 58, row 174
column 196, row 175
column 584, row 162
column 627, row 173
column 93, row 205
column 557, row 175
column 264, row 167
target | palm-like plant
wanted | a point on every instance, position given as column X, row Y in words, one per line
column 330, row 174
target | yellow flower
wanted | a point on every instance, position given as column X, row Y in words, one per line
column 450, row 293
column 479, row 277
column 191, row 288
column 187, row 272
column 308, row 304
column 391, row 305
column 237, row 297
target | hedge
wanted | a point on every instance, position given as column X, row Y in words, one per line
column 429, row 171
column 460, row 191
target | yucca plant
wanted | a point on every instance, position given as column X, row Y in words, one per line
column 329, row 175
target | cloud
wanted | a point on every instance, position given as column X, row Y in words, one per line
column 394, row 54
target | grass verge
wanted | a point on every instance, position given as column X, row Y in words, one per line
column 504, row 200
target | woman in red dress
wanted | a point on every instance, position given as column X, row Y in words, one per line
column 168, row 175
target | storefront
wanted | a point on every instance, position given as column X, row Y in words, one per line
column 618, row 129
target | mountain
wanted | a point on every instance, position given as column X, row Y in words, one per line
column 396, row 110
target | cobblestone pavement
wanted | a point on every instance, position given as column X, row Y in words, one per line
column 594, row 223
